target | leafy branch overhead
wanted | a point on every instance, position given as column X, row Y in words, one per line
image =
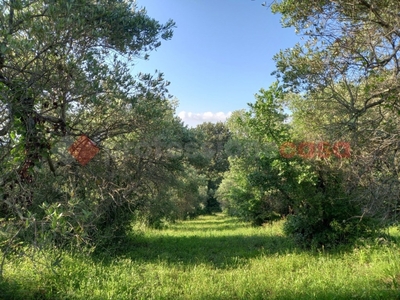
column 50, row 87
column 348, row 43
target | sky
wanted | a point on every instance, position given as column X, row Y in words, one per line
column 220, row 56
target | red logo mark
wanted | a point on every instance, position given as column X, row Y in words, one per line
column 311, row 150
column 83, row 150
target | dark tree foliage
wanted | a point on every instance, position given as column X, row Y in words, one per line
column 66, row 71
column 213, row 138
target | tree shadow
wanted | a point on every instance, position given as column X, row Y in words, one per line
column 218, row 251
column 13, row 290
column 216, row 241
column 216, row 225
column 220, row 244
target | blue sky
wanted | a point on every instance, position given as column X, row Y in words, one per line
column 220, row 55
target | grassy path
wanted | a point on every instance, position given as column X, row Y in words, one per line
column 214, row 257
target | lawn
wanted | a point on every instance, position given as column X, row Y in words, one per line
column 212, row 257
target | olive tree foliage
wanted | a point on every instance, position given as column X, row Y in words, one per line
column 237, row 193
column 212, row 159
column 65, row 63
column 307, row 187
column 347, row 76
column 65, row 70
column 261, row 185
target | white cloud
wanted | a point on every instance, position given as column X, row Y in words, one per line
column 194, row 119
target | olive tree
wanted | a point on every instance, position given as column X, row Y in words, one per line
column 66, row 71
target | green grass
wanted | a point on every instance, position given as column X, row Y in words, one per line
column 213, row 257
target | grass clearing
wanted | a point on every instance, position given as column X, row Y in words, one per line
column 212, row 257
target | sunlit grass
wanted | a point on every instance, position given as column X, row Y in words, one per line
column 213, row 257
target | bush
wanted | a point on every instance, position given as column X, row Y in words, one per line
column 327, row 221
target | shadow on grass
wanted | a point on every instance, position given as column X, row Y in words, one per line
column 217, row 241
column 316, row 294
column 12, row 290
column 221, row 244
column 222, row 251
column 208, row 224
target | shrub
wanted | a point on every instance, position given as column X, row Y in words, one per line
column 328, row 221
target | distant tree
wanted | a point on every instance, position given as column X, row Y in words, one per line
column 259, row 185
column 213, row 139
